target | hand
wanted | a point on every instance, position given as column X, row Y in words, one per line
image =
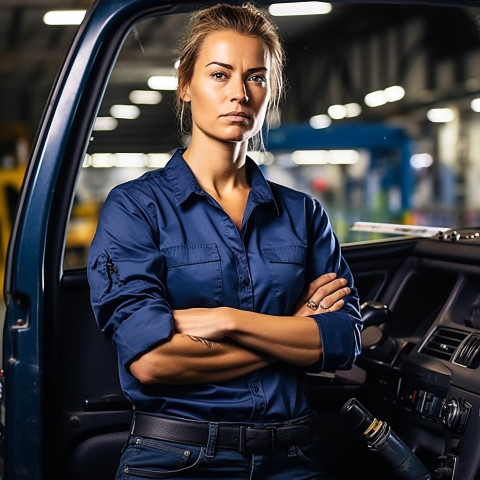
column 324, row 294
column 205, row 323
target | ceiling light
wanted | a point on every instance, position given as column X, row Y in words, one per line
column 300, row 8
column 320, row 121
column 130, row 160
column 475, row 104
column 322, row 157
column 261, row 157
column 394, row 93
column 337, row 112
column 344, row 157
column 381, row 97
column 145, row 97
column 157, row 160
column 376, row 99
column 126, row 112
column 421, row 160
column 102, row 160
column 441, row 115
column 353, row 110
column 105, row 124
column 163, row 82
column 64, row 17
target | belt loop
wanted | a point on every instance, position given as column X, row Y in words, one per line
column 132, row 426
column 212, row 439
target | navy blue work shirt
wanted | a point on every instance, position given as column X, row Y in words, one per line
column 163, row 243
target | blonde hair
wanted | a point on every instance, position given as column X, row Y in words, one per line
column 246, row 20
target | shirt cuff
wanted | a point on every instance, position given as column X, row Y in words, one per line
column 340, row 335
column 142, row 331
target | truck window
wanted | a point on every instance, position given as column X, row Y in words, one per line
column 361, row 127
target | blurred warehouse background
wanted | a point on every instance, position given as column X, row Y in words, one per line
column 381, row 120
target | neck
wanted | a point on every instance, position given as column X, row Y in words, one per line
column 218, row 167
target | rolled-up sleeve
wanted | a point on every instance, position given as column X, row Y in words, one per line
column 339, row 331
column 125, row 268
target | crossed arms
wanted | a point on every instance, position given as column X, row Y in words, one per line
column 218, row 344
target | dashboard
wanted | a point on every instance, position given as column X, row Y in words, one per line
column 422, row 353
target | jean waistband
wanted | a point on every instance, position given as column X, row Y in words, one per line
column 241, row 437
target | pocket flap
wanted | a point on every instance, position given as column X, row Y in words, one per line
column 191, row 254
column 286, row 254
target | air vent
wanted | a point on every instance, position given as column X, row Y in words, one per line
column 443, row 343
column 469, row 354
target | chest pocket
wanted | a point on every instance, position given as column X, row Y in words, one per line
column 194, row 276
column 287, row 268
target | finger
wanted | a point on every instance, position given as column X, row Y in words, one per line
column 329, row 300
column 328, row 289
column 335, row 307
column 328, row 303
column 319, row 282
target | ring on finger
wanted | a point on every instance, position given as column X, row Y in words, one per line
column 322, row 306
column 311, row 304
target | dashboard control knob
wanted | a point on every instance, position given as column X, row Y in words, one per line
column 450, row 414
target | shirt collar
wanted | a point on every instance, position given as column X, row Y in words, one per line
column 184, row 183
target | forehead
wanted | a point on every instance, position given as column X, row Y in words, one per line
column 233, row 48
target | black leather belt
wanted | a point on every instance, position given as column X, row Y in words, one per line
column 244, row 438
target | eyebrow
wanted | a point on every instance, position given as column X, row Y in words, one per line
column 230, row 67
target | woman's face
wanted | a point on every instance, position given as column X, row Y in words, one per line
column 230, row 88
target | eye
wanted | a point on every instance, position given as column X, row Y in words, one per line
column 218, row 75
column 258, row 78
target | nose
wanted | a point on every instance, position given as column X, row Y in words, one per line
column 239, row 92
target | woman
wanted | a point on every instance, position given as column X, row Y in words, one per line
column 220, row 289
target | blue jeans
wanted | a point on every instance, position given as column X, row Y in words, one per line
column 146, row 458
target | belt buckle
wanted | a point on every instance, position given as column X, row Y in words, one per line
column 257, row 440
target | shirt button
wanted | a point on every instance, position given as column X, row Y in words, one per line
column 246, row 282
column 255, row 388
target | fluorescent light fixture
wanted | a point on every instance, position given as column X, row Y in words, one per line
column 130, row 160
column 64, row 17
column 337, row 112
column 145, row 97
column 163, row 82
column 261, row 158
column 126, row 160
column 126, row 112
column 344, row 157
column 157, row 160
column 105, row 124
column 320, row 121
column 475, row 105
column 323, row 157
column 353, row 110
column 421, row 160
column 300, row 8
column 441, row 115
column 394, row 93
column 381, row 97
column 102, row 160
column 375, row 99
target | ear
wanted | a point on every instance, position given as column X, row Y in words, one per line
column 185, row 93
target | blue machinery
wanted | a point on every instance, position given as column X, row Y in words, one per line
column 390, row 148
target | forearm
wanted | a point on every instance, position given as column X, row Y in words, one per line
column 186, row 359
column 294, row 340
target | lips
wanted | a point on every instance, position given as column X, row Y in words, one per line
column 235, row 114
